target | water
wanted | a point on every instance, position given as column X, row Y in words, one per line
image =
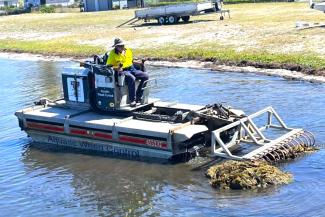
column 40, row 183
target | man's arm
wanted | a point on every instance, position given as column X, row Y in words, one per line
column 110, row 60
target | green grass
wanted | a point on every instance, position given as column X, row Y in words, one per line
column 51, row 47
column 224, row 55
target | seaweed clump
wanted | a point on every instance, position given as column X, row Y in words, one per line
column 246, row 175
column 301, row 149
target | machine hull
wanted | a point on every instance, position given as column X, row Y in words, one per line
column 61, row 126
column 56, row 141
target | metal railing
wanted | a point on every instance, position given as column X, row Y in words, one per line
column 248, row 132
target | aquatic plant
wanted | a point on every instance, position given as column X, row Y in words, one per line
column 253, row 174
column 246, row 175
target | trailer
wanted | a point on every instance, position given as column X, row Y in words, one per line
column 172, row 14
column 317, row 5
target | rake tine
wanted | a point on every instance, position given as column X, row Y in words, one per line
column 286, row 152
column 289, row 147
column 283, row 151
column 269, row 155
column 267, row 158
column 295, row 141
column 274, row 154
column 311, row 136
column 307, row 141
column 274, row 159
column 276, row 151
column 291, row 144
column 302, row 143
column 280, row 150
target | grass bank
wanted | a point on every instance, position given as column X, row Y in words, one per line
column 307, row 63
column 56, row 48
column 262, row 35
column 310, row 64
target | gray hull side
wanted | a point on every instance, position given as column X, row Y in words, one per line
column 109, row 148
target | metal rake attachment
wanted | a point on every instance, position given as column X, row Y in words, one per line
column 288, row 149
column 286, row 146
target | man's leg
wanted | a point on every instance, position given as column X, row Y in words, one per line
column 143, row 77
column 130, row 80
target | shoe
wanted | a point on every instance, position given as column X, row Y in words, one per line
column 138, row 101
column 133, row 104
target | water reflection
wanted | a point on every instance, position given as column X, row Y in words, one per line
column 114, row 186
column 49, row 79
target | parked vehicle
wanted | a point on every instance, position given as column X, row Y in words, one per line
column 317, row 5
column 171, row 14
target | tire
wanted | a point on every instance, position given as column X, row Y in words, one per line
column 186, row 19
column 172, row 20
column 161, row 20
column 222, row 18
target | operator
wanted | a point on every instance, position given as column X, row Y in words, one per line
column 121, row 59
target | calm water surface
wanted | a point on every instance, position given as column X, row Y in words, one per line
column 41, row 183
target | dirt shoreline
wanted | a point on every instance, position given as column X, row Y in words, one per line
column 285, row 73
column 194, row 64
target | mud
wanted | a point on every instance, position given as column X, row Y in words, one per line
column 291, row 72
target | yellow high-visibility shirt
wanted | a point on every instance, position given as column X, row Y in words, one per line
column 126, row 58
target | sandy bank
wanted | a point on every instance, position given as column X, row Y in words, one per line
column 33, row 57
column 292, row 75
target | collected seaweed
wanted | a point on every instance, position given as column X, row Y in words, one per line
column 300, row 149
column 246, row 175
column 256, row 174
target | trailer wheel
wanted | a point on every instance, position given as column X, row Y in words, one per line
column 172, row 20
column 161, row 20
column 221, row 17
column 186, row 18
